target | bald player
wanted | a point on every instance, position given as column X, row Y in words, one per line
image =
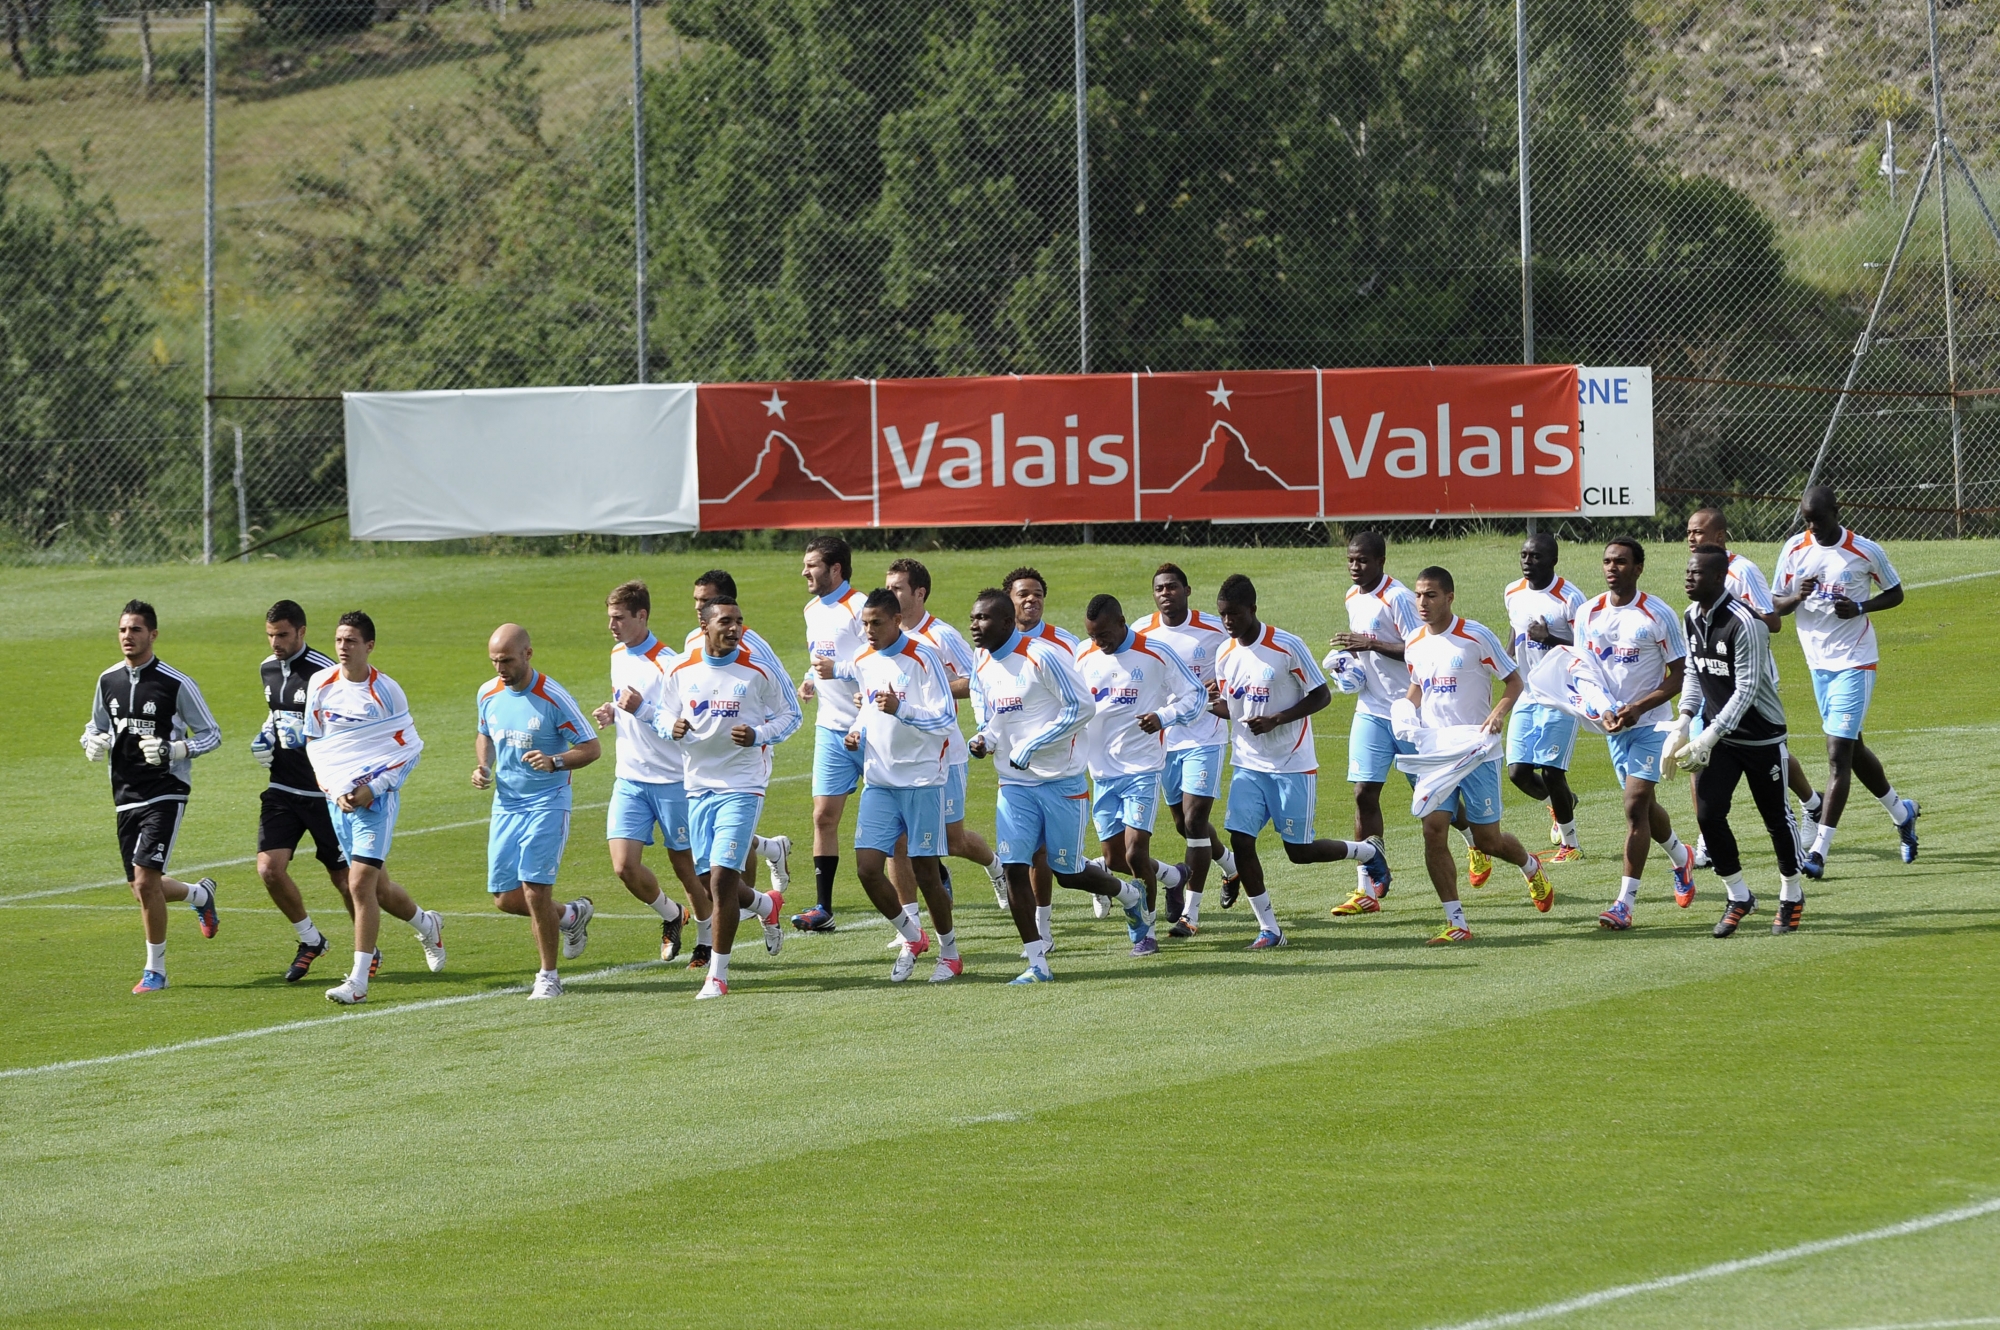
column 532, row 735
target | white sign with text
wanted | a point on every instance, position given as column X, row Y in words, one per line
column 1615, row 408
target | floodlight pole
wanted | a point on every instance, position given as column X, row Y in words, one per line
column 1950, row 319
column 638, row 195
column 1082, row 201
column 1521, row 137
column 208, row 283
column 242, row 500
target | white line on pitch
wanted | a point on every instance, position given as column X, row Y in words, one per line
column 1933, row 1325
column 429, row 1004
column 1721, row 1268
column 1947, row 581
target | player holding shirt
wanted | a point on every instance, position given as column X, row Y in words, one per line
column 354, row 698
column 1820, row 575
column 833, row 639
column 1638, row 641
column 151, row 722
column 1381, row 617
column 1745, row 581
column 1138, row 692
column 911, row 582
column 649, row 789
column 906, row 713
column 1541, row 608
column 1192, row 780
column 727, row 711
column 1028, row 591
column 1269, row 686
column 1031, row 707
column 1454, row 663
column 532, row 735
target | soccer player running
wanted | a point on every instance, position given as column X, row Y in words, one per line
column 911, row 582
column 1031, row 707
column 1541, row 608
column 291, row 806
column 900, row 730
column 150, row 720
column 1381, row 617
column 346, row 703
column 833, row 639
column 1138, row 691
column 1192, row 778
column 1731, row 686
column 1822, row 574
column 1638, row 642
column 532, row 735
column 1707, row 526
column 649, row 790
column 726, row 710
column 1028, row 591
column 1269, row 686
column 1454, row 663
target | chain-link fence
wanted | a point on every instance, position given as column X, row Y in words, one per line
column 442, row 195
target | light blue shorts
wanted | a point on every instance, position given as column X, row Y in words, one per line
column 723, row 826
column 1284, row 799
column 1539, row 736
column 1478, row 794
column 365, row 833
column 1196, row 771
column 1048, row 817
column 1371, row 749
column 915, row 816
column 1637, row 753
column 1843, row 697
column 835, row 769
column 954, row 793
column 636, row 805
column 525, row 847
column 1119, row 802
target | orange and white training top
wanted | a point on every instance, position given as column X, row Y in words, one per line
column 1258, row 678
column 1456, row 670
column 833, row 632
column 912, row 748
column 1634, row 644
column 1197, row 640
column 1135, row 679
column 1852, row 567
column 714, row 696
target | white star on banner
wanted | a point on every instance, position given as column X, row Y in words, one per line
column 775, row 406
column 1220, row 395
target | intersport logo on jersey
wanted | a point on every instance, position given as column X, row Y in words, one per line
column 1423, row 442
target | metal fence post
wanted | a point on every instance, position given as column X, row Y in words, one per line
column 208, row 283
column 242, row 500
column 638, row 194
column 1950, row 321
column 1527, row 228
column 1082, row 202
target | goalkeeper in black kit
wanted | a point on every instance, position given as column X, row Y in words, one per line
column 1732, row 687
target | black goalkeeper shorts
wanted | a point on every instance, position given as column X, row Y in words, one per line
column 284, row 819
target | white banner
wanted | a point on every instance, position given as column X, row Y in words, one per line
column 1615, row 408
column 522, row 462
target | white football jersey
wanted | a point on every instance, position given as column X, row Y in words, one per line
column 1634, row 644
column 1555, row 605
column 1387, row 610
column 1456, row 670
column 642, row 754
column 1258, row 678
column 1138, row 678
column 1062, row 637
column 833, row 632
column 1853, row 567
column 1197, row 641
column 1032, row 708
column 959, row 663
column 714, row 697
column 907, row 750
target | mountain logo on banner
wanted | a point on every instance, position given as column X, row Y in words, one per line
column 1226, row 463
column 781, row 475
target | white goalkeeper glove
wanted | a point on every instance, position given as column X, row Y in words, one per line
column 158, row 752
column 287, row 730
column 1701, row 750
column 95, row 745
column 262, row 747
column 1676, row 744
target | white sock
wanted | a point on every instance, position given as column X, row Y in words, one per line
column 1532, row 867
column 1892, row 803
column 1628, row 891
column 1099, row 861
column 1131, row 893
column 1267, row 918
column 1454, row 914
column 997, row 871
column 1568, row 830
column 1823, row 840
column 1037, row 952
column 198, row 895
column 704, row 931
column 1228, row 861
column 763, row 846
column 1675, row 850
column 948, row 945
column 1172, row 875
column 156, row 957
column 909, row 923
column 1465, row 834
column 718, row 967
column 426, row 925
column 764, row 907
column 567, row 915
column 664, row 906
column 308, row 931
column 358, row 976
column 1360, row 851
column 1362, row 882
column 550, row 975
column 1812, row 805
column 1738, row 889
column 1191, row 911
column 1791, row 889
column 1042, row 913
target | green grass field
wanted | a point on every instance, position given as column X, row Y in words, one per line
column 1356, row 1131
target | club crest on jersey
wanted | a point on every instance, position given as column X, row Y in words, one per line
column 149, row 708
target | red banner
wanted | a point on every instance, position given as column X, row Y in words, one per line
column 1451, row 441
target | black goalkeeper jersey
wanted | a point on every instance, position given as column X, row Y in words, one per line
column 284, row 683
